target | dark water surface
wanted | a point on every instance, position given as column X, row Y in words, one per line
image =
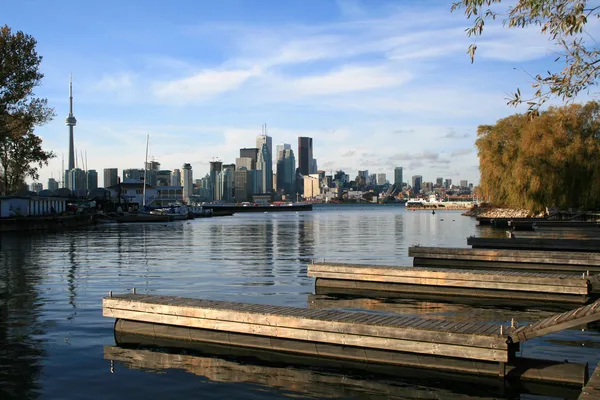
column 53, row 337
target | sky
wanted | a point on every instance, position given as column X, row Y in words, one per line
column 377, row 84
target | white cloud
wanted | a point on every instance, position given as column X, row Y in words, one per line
column 121, row 80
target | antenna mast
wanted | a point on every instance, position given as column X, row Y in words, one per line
column 145, row 169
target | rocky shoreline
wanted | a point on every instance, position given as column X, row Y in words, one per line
column 493, row 212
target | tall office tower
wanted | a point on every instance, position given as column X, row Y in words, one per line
column 305, row 154
column 242, row 185
column 92, row 179
column 264, row 144
column 215, row 169
column 448, row 183
column 251, row 152
column 372, row 179
column 52, row 185
column 188, row 182
column 71, row 122
column 279, row 148
column 227, row 182
column 286, row 172
column 439, row 182
column 364, row 174
column 398, row 177
column 427, row 187
column 37, row 187
column 417, row 180
column 176, row 178
column 152, row 166
column 76, row 179
column 245, row 162
column 381, row 180
column 262, row 169
column 111, row 177
column 313, row 166
column 163, row 178
column 133, row 174
column 464, row 184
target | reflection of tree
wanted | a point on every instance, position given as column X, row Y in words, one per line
column 20, row 349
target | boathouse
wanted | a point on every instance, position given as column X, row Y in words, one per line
column 132, row 191
column 27, row 206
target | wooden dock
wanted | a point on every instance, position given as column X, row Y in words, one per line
column 473, row 347
column 478, row 283
column 505, row 222
column 502, row 259
column 571, row 245
column 580, row 234
column 591, row 390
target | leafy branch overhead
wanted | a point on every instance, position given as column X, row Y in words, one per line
column 564, row 22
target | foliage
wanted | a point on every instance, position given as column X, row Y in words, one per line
column 20, row 110
column 563, row 21
column 548, row 161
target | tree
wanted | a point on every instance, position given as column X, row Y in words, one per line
column 563, row 21
column 20, row 110
column 548, row 161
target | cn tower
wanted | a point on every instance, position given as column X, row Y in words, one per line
column 71, row 122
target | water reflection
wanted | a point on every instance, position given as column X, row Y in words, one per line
column 308, row 376
column 21, row 347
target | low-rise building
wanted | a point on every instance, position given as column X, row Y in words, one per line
column 27, row 206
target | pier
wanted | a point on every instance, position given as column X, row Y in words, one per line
column 564, row 244
column 478, row 283
column 550, row 261
column 468, row 347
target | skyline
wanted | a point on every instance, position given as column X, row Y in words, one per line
column 376, row 84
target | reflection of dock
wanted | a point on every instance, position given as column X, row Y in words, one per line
column 477, row 283
column 471, row 347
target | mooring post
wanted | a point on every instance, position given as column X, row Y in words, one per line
column 110, row 293
column 133, row 290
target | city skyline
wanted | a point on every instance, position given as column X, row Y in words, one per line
column 376, row 84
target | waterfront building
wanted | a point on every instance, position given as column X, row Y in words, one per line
column 36, row 187
column 188, row 182
column 417, row 181
column 305, row 155
column 264, row 144
column 286, row 172
column 132, row 193
column 176, row 178
column 136, row 174
column 439, row 182
column 167, row 195
column 52, row 185
column 242, row 185
column 398, row 177
column 381, row 180
column 111, row 177
column 91, row 179
column 311, row 186
column 245, row 162
column 163, row 178
column 28, row 206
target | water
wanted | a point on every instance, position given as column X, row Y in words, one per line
column 53, row 336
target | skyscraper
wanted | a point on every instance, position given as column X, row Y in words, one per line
column 262, row 166
column 286, row 171
column 188, row 182
column 111, row 176
column 265, row 146
column 215, row 169
column 381, row 179
column 52, row 185
column 305, row 155
column 398, row 177
column 417, row 180
column 251, row 152
column 279, row 148
column 245, row 162
column 91, row 179
column 71, row 122
column 439, row 182
column 176, row 178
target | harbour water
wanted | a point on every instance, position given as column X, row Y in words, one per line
column 53, row 337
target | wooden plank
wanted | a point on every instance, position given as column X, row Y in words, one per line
column 503, row 266
column 571, row 245
column 591, row 391
column 508, row 286
column 546, row 257
column 411, row 346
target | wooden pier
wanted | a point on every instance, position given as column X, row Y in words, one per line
column 591, row 391
column 478, row 283
column 551, row 261
column 473, row 347
column 571, row 245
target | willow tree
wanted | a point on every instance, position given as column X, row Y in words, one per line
column 548, row 161
column 564, row 23
column 20, row 111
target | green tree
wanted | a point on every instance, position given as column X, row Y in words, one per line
column 20, row 111
column 564, row 22
column 548, row 161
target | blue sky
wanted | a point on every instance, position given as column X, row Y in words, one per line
column 376, row 83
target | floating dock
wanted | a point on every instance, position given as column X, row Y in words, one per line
column 551, row 261
column 472, row 347
column 591, row 391
column 477, row 283
column 572, row 245
column 580, row 234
